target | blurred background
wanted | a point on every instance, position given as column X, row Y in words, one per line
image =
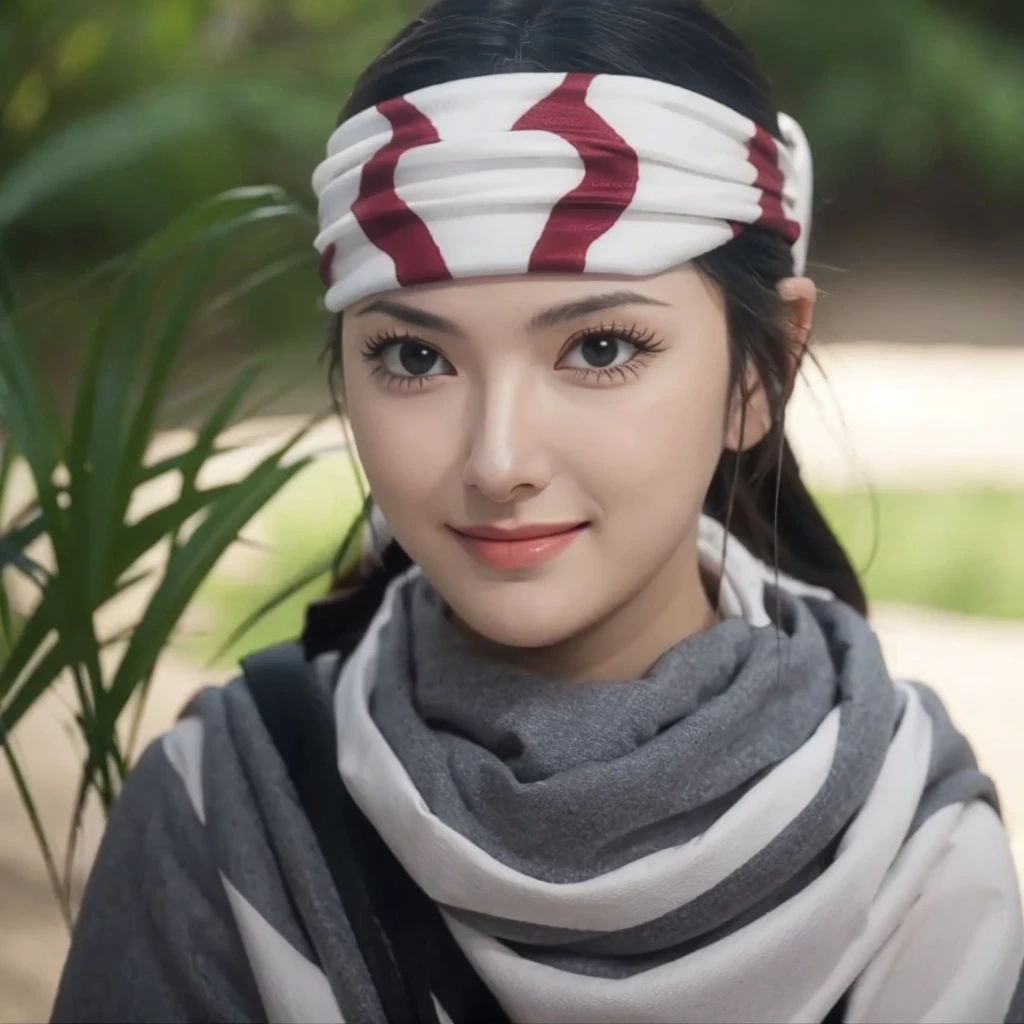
column 119, row 117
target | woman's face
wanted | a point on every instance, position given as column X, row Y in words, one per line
column 591, row 410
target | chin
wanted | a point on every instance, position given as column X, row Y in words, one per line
column 519, row 634
column 514, row 616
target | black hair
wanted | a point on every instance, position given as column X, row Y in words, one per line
column 758, row 494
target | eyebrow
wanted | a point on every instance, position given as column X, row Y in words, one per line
column 550, row 317
column 573, row 310
column 412, row 316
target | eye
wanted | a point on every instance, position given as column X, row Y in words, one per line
column 599, row 350
column 403, row 360
column 414, row 359
column 609, row 353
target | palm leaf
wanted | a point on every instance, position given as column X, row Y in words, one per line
column 221, row 216
column 13, row 554
column 36, row 822
column 97, row 549
column 177, row 314
column 29, row 417
column 111, row 137
column 23, row 690
column 295, row 585
column 343, row 559
column 189, row 566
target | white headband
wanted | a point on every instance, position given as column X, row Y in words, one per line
column 556, row 173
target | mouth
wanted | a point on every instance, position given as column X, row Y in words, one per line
column 518, row 547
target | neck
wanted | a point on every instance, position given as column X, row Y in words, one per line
column 624, row 644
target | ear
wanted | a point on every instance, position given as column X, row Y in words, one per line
column 799, row 295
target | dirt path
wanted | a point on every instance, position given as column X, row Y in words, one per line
column 910, row 416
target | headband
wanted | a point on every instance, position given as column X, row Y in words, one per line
column 548, row 173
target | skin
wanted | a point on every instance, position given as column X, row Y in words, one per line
column 511, row 425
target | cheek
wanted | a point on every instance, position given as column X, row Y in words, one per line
column 656, row 443
column 405, row 442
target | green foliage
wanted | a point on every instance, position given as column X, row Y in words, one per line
column 114, row 115
column 104, row 514
column 958, row 550
column 268, row 604
column 890, row 90
column 189, row 97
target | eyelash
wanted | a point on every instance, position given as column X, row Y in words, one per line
column 374, row 347
column 645, row 342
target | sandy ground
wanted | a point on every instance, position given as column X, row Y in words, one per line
column 911, row 416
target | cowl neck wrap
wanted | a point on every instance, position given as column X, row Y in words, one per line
column 716, row 840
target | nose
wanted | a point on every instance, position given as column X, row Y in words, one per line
column 508, row 457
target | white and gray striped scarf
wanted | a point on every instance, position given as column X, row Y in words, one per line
column 762, row 826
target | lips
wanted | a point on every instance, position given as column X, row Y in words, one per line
column 518, row 547
column 529, row 531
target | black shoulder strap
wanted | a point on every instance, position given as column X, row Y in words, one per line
column 410, row 952
column 300, row 724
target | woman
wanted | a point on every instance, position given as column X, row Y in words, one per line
column 607, row 697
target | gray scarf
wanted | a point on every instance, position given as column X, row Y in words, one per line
column 567, row 782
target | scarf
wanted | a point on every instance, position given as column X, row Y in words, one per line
column 547, row 172
column 763, row 824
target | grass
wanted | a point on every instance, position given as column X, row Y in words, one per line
column 301, row 528
column 958, row 550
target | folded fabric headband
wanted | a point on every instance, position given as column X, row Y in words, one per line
column 548, row 173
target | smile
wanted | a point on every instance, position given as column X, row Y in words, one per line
column 519, row 547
